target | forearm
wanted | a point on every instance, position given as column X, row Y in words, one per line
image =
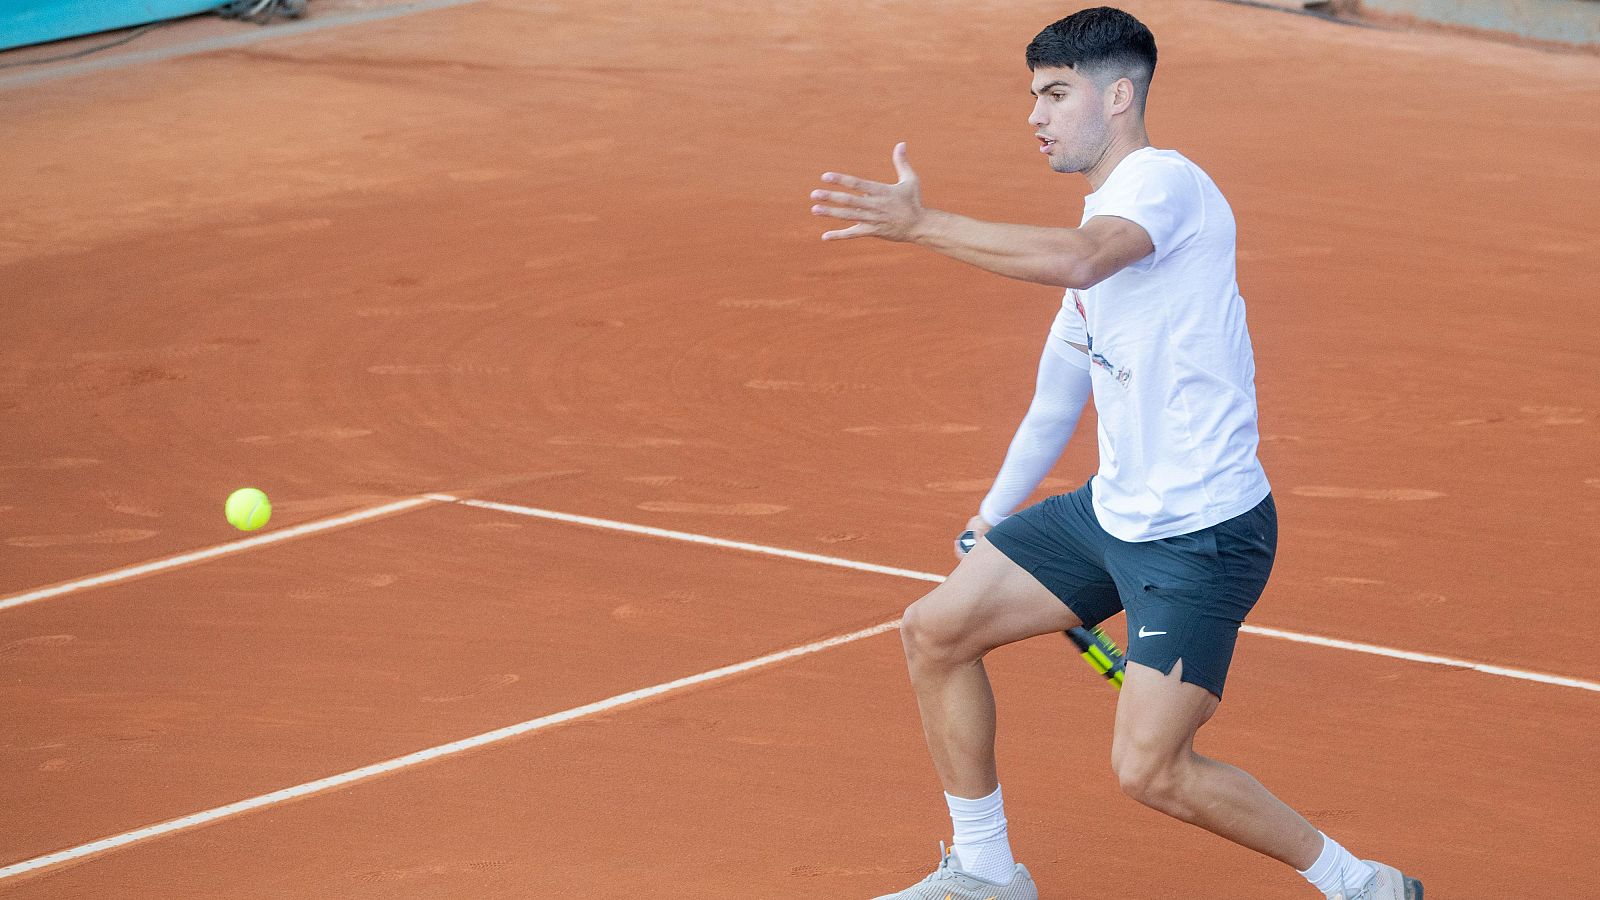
column 1055, row 256
column 1059, row 399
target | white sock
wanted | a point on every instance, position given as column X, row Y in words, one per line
column 1337, row 869
column 981, row 847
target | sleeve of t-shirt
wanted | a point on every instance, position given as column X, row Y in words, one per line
column 1068, row 329
column 1164, row 199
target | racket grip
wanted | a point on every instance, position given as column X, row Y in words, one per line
column 967, row 541
column 1100, row 652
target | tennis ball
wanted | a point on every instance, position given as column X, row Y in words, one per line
column 248, row 509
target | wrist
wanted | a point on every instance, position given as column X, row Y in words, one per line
column 927, row 228
column 988, row 516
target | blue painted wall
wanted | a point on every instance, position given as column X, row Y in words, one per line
column 36, row 21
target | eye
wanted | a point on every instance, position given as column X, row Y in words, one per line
column 1058, row 96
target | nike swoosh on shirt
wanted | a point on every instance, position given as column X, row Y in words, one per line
column 1143, row 633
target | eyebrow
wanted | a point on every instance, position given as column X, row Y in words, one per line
column 1053, row 84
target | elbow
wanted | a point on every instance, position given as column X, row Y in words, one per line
column 1074, row 267
column 1078, row 275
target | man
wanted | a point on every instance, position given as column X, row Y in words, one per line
column 1178, row 527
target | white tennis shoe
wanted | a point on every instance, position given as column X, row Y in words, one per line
column 1387, row 883
column 950, row 883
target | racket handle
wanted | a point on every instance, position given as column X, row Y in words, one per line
column 1100, row 652
column 967, row 541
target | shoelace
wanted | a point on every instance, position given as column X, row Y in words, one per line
column 944, row 871
column 944, row 863
column 1361, row 893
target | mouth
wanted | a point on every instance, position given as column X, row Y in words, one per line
column 1045, row 144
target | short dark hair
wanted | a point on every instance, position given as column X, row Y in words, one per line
column 1098, row 42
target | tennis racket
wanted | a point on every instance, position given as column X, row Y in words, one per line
column 1097, row 649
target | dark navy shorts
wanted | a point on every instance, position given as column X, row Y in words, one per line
column 1185, row 596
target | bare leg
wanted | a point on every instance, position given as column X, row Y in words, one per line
column 988, row 602
column 1153, row 755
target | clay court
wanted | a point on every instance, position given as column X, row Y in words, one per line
column 428, row 280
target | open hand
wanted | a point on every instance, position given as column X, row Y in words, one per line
column 889, row 211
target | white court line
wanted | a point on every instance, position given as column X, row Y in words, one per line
column 702, row 539
column 1430, row 658
column 1297, row 637
column 282, row 534
column 334, row 781
column 195, row 820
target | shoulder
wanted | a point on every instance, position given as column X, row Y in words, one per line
column 1161, row 192
column 1151, row 176
column 1168, row 168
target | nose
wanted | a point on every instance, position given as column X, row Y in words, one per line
column 1037, row 118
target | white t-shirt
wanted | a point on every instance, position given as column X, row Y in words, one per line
column 1173, row 370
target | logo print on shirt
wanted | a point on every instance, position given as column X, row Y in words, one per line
column 1120, row 375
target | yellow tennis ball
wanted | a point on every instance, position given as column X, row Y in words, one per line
column 248, row 509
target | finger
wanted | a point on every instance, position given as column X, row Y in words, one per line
column 843, row 212
column 840, row 198
column 854, row 183
column 844, row 234
column 902, row 163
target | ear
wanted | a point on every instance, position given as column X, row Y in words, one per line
column 1119, row 97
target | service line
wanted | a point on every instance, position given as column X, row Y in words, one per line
column 282, row 534
column 1433, row 659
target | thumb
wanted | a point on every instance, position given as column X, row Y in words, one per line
column 902, row 165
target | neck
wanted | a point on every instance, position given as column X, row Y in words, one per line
column 1116, row 150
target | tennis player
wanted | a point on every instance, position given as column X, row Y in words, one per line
column 1178, row 527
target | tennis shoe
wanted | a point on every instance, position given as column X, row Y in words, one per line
column 1387, row 883
column 948, row 882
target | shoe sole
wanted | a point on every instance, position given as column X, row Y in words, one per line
column 1413, row 889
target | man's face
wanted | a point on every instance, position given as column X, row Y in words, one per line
column 1069, row 119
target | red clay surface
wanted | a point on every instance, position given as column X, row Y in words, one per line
column 559, row 255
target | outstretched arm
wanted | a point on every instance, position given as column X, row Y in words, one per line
column 1067, row 257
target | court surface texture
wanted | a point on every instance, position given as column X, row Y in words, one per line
column 574, row 428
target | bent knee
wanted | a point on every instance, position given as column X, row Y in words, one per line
column 1155, row 780
column 933, row 629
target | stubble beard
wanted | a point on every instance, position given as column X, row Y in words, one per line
column 1069, row 163
column 1063, row 165
column 1089, row 146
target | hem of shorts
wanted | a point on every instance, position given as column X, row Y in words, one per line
column 1195, row 523
column 1208, row 685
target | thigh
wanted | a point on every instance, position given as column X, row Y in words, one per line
column 987, row 602
column 1158, row 714
column 1061, row 544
